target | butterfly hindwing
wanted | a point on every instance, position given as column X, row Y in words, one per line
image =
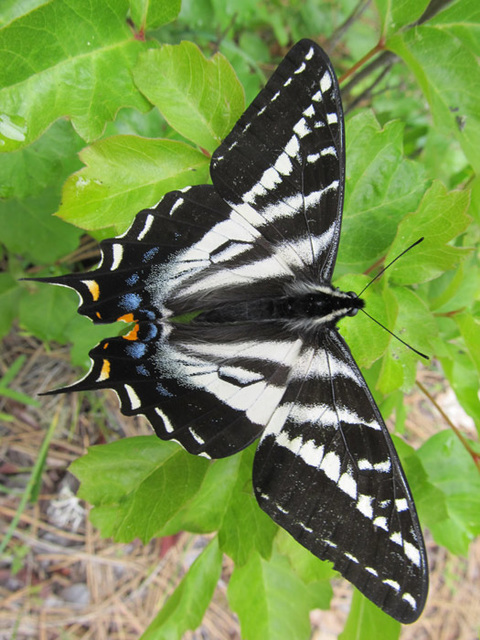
column 327, row 472
column 200, row 386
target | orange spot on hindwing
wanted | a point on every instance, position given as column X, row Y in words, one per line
column 105, row 372
column 133, row 334
column 127, row 317
column 92, row 286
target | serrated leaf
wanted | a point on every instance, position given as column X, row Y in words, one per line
column 463, row 377
column 39, row 311
column 451, row 469
column 444, row 159
column 470, row 332
column 125, row 174
column 48, row 161
column 381, row 187
column 133, row 122
column 366, row 621
column 246, row 529
column 137, row 485
column 429, row 500
column 440, row 217
column 443, row 55
column 67, row 60
column 398, row 14
column 151, row 14
column 272, row 603
column 186, row 606
column 457, row 289
column 308, row 567
column 205, row 511
column 416, row 326
column 201, row 99
column 30, row 229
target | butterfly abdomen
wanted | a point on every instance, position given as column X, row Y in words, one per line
column 305, row 306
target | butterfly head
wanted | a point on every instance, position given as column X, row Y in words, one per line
column 357, row 303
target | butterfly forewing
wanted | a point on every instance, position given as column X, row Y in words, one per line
column 282, row 166
column 228, row 292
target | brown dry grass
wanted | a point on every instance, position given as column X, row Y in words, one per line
column 59, row 579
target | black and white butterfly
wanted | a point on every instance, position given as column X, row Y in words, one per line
column 235, row 338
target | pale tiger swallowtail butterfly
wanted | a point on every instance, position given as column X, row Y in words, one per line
column 229, row 289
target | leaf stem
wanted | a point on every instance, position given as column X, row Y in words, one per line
column 376, row 49
column 455, row 429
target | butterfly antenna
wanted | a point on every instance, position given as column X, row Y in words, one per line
column 419, row 353
column 389, row 265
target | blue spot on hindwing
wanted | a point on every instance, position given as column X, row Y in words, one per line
column 164, row 392
column 136, row 350
column 133, row 279
column 151, row 253
column 151, row 332
column 142, row 370
column 131, row 301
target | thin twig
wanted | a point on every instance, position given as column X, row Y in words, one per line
column 339, row 32
column 454, row 428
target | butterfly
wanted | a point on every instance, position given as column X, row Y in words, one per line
column 234, row 338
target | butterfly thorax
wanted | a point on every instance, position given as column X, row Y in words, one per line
column 308, row 306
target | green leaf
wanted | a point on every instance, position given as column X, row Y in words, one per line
column 475, row 203
column 50, row 313
column 137, row 485
column 367, row 341
column 83, row 335
column 151, row 14
column 39, row 311
column 451, row 469
column 463, row 377
column 12, row 9
column 398, row 14
column 429, row 499
column 271, row 602
column 366, row 621
column 308, row 567
column 440, row 217
column 10, row 294
column 444, row 159
column 201, row 99
column 470, row 332
column 186, row 607
column 30, row 229
column 443, row 55
column 416, row 326
column 381, row 187
column 455, row 290
column 48, row 161
column 206, row 510
column 246, row 529
column 125, row 174
column 66, row 59
column 132, row 122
